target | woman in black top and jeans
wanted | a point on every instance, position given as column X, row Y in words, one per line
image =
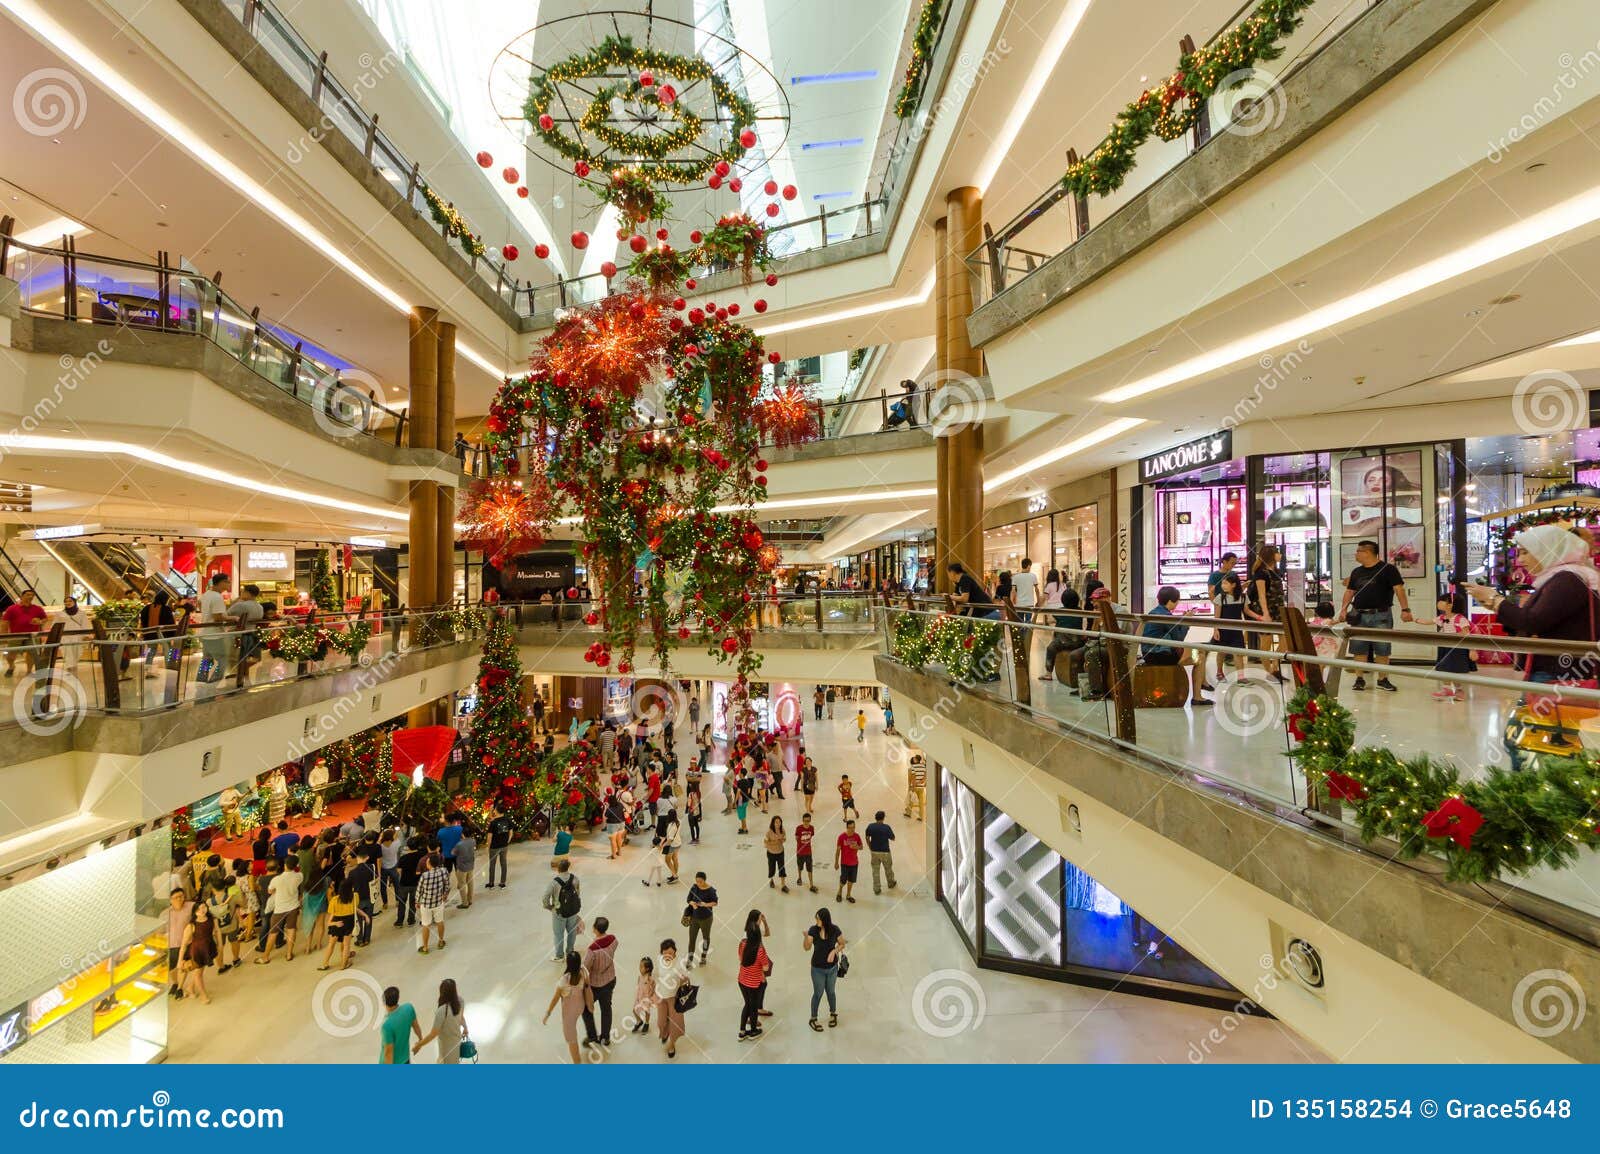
column 825, row 941
column 1264, row 602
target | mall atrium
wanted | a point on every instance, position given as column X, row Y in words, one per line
column 511, row 514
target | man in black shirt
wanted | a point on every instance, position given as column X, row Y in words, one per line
column 1369, row 597
column 702, row 903
column 361, row 873
column 879, row 835
column 969, row 594
column 500, row 829
column 409, row 867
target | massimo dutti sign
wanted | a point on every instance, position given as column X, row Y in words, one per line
column 1185, row 458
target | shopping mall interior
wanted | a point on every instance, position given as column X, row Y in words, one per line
column 1138, row 465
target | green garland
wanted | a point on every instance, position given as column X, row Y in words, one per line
column 1168, row 110
column 619, row 53
column 123, row 614
column 351, row 640
column 737, row 239
column 454, row 225
column 923, row 40
column 1539, row 817
column 962, row 645
column 662, row 267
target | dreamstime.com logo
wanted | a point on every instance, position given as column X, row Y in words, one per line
column 1249, row 707
column 373, row 70
column 47, row 703
column 1548, row 1002
column 955, row 401
column 654, row 705
column 48, row 102
column 1549, row 401
column 347, row 1003
column 948, row 1002
column 1253, row 100
column 342, row 406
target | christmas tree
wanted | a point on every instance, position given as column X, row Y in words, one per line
column 324, row 594
column 501, row 764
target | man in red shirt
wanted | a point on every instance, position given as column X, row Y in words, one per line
column 654, row 794
column 847, row 859
column 22, row 616
column 804, row 833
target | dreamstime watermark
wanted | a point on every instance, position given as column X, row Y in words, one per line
column 48, row 102
column 955, row 401
column 1548, row 1002
column 74, row 371
column 1250, row 707
column 1253, row 100
column 964, row 77
column 655, row 705
column 340, row 408
column 1239, row 1014
column 330, row 719
column 1274, row 372
column 372, row 72
column 1573, row 70
column 1549, row 401
column 948, row 1002
column 47, row 702
column 347, row 1003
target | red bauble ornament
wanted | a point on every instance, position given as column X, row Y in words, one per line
column 509, row 175
column 748, row 138
column 624, row 667
column 546, row 121
column 695, row 237
column 713, row 181
column 774, row 358
column 733, row 310
column 720, row 168
column 675, row 324
column 580, row 168
column 484, row 160
column 761, row 464
column 647, row 79
column 661, row 234
column 683, row 633
column 772, row 209
column 603, row 660
column 638, row 243
column 760, row 306
column 509, row 251
column 572, row 593
column 580, row 239
column 696, row 317
column 522, row 191
column 790, row 192
column 624, row 233
column 770, row 188
column 762, row 481
column 735, row 185
column 608, row 269
column 689, row 284
column 678, row 303
column 772, row 279
column 591, row 618
column 541, row 251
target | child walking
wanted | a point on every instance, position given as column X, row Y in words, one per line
column 1452, row 619
column 644, row 996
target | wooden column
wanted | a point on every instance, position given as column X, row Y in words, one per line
column 941, row 445
column 423, row 543
column 444, row 580
column 964, row 470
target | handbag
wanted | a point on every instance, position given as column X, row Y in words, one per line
column 468, row 1051
column 688, row 912
column 844, row 964
column 686, row 999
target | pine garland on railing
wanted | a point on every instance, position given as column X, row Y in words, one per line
column 923, row 41
column 962, row 645
column 1169, row 109
column 1507, row 823
column 454, row 224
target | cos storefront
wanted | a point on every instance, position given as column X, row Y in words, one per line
column 1022, row 907
column 1059, row 530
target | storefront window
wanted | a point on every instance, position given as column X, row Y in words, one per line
column 1003, row 550
column 1021, row 893
column 1388, row 496
column 1296, row 488
column 1104, row 933
column 1076, row 548
column 958, row 853
column 1199, row 517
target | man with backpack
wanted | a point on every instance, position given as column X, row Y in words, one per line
column 561, row 898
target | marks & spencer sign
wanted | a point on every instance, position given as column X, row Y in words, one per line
column 1185, row 458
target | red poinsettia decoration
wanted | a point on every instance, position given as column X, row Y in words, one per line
column 1454, row 819
column 1343, row 787
column 1299, row 724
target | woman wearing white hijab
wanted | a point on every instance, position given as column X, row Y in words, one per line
column 1563, row 605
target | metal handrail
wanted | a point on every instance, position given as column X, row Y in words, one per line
column 209, row 292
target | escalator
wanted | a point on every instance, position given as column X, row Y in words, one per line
column 129, row 564
column 12, row 580
column 91, row 569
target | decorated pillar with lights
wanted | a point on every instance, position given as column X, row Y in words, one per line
column 963, row 476
column 941, row 445
column 422, row 545
column 444, row 580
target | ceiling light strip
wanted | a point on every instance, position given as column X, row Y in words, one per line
column 1541, row 228
column 921, row 297
column 1089, row 440
column 1049, row 56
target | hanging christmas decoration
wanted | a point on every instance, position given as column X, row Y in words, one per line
column 503, row 518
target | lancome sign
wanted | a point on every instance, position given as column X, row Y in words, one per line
column 1196, row 454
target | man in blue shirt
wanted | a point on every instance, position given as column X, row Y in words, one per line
column 1167, row 598
column 285, row 843
column 449, row 837
column 879, row 835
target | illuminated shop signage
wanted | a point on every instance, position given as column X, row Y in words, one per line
column 1185, row 458
column 266, row 563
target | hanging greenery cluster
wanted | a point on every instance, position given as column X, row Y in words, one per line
column 923, row 39
column 663, row 266
column 1506, row 823
column 567, row 783
column 655, row 155
column 633, row 195
column 452, row 222
column 1169, row 109
column 736, row 239
column 963, row 646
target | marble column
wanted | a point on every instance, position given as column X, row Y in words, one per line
column 941, row 445
column 444, row 581
column 964, row 468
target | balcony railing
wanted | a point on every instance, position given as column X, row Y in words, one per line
column 342, row 111
column 1057, row 219
column 1239, row 742
column 819, row 611
column 835, row 420
column 65, row 284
